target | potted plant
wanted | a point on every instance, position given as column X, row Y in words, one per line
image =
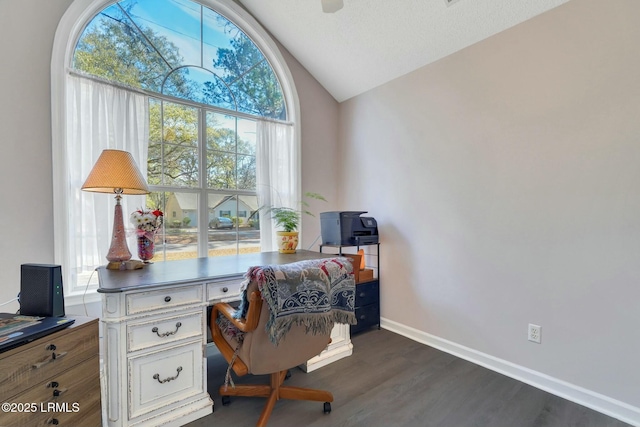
column 288, row 219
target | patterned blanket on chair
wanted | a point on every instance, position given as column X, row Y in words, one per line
column 312, row 293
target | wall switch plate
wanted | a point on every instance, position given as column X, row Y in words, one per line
column 535, row 333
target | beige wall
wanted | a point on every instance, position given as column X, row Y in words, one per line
column 319, row 129
column 27, row 28
column 505, row 179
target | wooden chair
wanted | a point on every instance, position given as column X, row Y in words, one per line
column 259, row 356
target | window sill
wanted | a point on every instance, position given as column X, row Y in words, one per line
column 79, row 299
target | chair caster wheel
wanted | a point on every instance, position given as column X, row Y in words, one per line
column 327, row 407
column 226, row 400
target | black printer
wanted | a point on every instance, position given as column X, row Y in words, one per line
column 348, row 228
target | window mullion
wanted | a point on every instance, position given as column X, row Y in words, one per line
column 203, row 199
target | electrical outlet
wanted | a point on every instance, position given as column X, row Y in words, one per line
column 535, row 333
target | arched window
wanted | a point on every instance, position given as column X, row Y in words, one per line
column 186, row 88
column 180, row 49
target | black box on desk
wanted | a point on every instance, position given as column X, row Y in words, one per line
column 348, row 228
column 41, row 291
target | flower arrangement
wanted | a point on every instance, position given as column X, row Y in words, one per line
column 147, row 222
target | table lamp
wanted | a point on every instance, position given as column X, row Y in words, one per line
column 116, row 172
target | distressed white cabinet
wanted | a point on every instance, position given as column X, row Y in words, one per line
column 155, row 367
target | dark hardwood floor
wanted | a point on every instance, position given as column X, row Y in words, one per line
column 392, row 381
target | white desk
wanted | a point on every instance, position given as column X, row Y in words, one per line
column 155, row 335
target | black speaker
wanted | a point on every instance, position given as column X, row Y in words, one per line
column 41, row 290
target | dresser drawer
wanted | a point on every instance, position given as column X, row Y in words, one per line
column 217, row 291
column 88, row 415
column 164, row 377
column 46, row 357
column 76, row 419
column 366, row 316
column 367, row 293
column 70, row 398
column 146, row 334
column 162, row 299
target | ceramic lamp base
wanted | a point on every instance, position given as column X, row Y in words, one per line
column 118, row 250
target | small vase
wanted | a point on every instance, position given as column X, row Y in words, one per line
column 287, row 242
column 146, row 248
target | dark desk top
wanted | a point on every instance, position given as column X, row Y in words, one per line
column 166, row 273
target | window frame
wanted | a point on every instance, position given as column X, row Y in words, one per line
column 70, row 28
column 203, row 190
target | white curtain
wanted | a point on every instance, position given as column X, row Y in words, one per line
column 99, row 116
column 277, row 174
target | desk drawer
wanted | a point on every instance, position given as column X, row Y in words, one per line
column 36, row 362
column 367, row 316
column 162, row 299
column 367, row 293
column 164, row 377
column 71, row 398
column 146, row 334
column 217, row 291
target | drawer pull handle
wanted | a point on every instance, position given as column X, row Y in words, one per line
column 59, row 392
column 362, row 295
column 167, row 299
column 53, row 421
column 166, row 334
column 225, row 289
column 49, row 360
column 166, row 380
column 362, row 317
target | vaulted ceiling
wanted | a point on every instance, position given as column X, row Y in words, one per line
column 370, row 42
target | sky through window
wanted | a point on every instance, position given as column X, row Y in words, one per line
column 183, row 49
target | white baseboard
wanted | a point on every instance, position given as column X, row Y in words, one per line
column 598, row 402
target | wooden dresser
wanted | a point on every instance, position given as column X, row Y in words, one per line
column 54, row 380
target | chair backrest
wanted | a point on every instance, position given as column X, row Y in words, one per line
column 263, row 357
